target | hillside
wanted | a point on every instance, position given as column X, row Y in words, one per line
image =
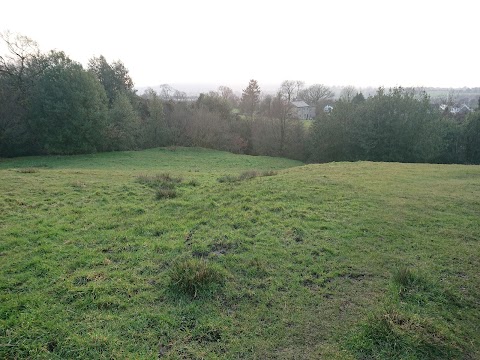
column 193, row 253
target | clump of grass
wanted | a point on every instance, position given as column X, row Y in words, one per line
column 403, row 277
column 391, row 334
column 246, row 175
column 79, row 184
column 27, row 170
column 165, row 193
column 193, row 182
column 163, row 180
column 227, row 178
column 195, row 276
column 406, row 281
column 163, row 183
column 297, row 234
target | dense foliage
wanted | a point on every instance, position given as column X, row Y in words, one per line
column 396, row 125
column 50, row 104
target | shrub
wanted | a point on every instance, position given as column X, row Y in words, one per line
column 195, row 276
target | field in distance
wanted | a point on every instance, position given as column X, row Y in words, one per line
column 201, row 254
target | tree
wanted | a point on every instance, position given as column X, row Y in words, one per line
column 18, row 70
column 299, row 84
column 114, row 77
column 288, row 89
column 166, row 92
column 179, row 95
column 314, row 94
column 282, row 108
column 123, row 125
column 155, row 130
column 359, row 98
column 347, row 93
column 251, row 97
column 18, row 62
column 472, row 134
column 399, row 125
column 68, row 108
column 227, row 94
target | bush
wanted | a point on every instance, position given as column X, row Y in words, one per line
column 195, row 276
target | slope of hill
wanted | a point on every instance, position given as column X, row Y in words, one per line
column 193, row 253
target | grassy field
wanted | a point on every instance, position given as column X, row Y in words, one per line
column 192, row 254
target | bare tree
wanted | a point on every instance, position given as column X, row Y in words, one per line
column 166, row 91
column 179, row 95
column 281, row 109
column 227, row 94
column 300, row 84
column 288, row 89
column 314, row 94
column 347, row 93
column 20, row 59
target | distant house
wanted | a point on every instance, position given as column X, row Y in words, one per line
column 456, row 109
column 464, row 109
column 328, row 109
column 303, row 111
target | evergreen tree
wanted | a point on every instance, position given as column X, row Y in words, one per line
column 251, row 98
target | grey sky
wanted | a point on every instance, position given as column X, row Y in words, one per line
column 363, row 43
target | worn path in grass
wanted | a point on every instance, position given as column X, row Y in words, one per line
column 88, row 251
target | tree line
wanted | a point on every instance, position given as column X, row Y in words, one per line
column 51, row 104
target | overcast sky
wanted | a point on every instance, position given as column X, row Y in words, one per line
column 350, row 42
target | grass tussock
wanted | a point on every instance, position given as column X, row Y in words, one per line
column 395, row 335
column 246, row 175
column 27, row 170
column 401, row 330
column 163, row 180
column 194, row 277
column 165, row 193
column 164, row 185
column 392, row 334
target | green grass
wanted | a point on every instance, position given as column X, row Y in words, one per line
column 335, row 261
